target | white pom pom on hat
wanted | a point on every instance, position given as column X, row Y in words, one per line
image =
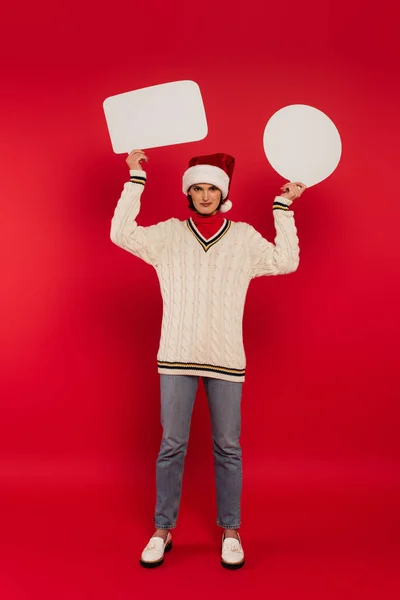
column 225, row 206
column 212, row 168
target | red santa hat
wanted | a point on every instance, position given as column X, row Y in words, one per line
column 212, row 168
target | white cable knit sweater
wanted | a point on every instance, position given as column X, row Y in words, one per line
column 203, row 282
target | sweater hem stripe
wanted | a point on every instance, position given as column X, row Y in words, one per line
column 201, row 367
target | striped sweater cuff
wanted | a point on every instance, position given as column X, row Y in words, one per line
column 137, row 176
column 281, row 203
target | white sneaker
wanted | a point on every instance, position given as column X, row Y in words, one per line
column 153, row 554
column 232, row 556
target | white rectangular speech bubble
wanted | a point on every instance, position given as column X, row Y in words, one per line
column 160, row 115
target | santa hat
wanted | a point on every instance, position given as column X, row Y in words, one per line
column 213, row 168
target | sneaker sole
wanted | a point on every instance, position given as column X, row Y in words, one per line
column 157, row 563
column 232, row 566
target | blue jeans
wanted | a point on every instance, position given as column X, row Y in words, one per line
column 177, row 399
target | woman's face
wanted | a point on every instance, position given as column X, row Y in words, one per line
column 206, row 197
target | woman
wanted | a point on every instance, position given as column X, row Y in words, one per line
column 204, row 265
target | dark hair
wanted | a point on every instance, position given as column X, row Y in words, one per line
column 191, row 205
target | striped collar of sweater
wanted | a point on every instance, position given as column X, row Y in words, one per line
column 207, row 225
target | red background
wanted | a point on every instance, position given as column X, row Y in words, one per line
column 79, row 431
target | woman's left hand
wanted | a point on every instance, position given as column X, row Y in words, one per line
column 293, row 190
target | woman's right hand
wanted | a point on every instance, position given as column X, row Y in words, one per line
column 134, row 159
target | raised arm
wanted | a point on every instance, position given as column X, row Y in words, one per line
column 283, row 256
column 145, row 242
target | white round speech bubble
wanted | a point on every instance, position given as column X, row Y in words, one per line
column 302, row 144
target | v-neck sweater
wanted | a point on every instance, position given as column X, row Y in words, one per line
column 208, row 225
column 203, row 282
